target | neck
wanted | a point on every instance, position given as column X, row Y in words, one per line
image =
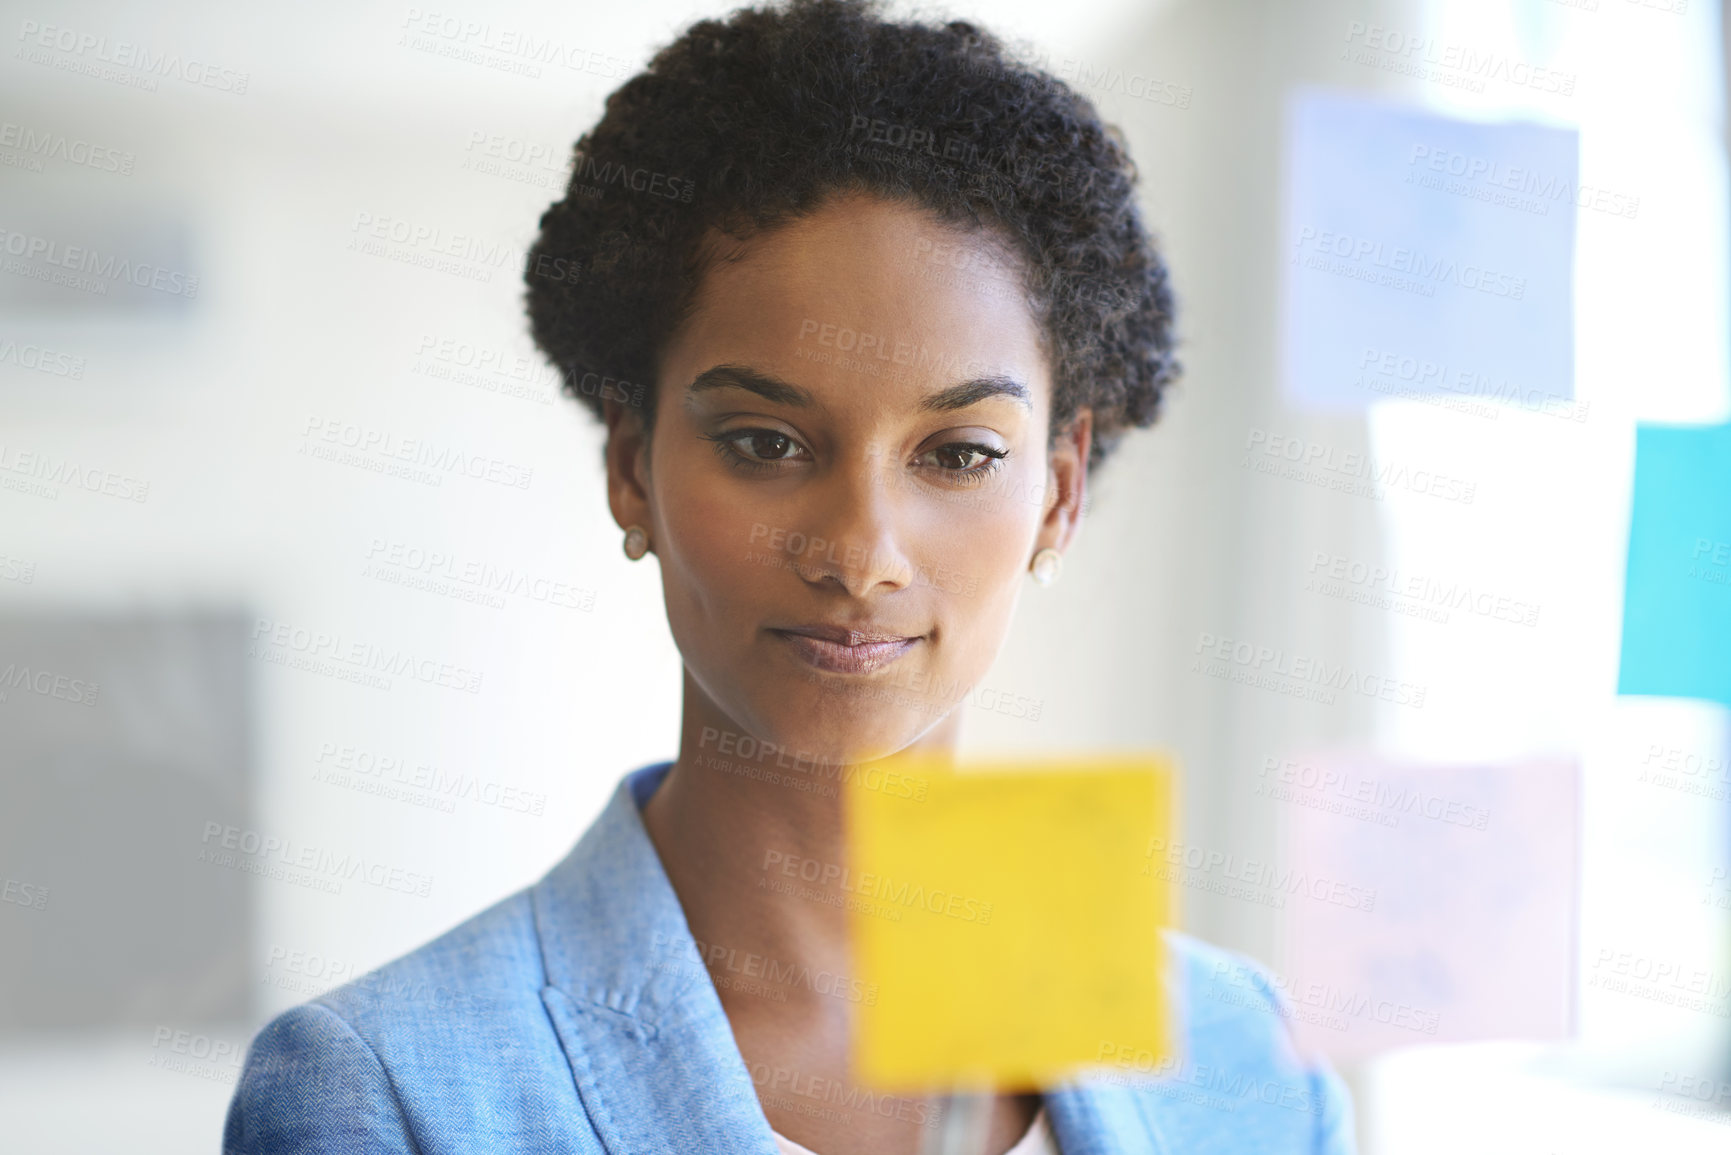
column 752, row 842
column 751, row 837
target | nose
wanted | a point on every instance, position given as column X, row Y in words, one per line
column 856, row 540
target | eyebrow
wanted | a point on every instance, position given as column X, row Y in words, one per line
column 780, row 392
column 972, row 392
column 739, row 377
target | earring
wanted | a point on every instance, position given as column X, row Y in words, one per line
column 636, row 542
column 1046, row 566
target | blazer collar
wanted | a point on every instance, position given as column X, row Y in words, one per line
column 649, row 1045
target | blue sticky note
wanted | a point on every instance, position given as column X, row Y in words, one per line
column 1426, row 257
column 1677, row 600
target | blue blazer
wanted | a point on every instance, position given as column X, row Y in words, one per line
column 575, row 1017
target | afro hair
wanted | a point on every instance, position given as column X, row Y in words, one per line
column 744, row 124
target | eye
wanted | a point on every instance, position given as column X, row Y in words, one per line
column 756, row 448
column 964, row 460
column 764, row 444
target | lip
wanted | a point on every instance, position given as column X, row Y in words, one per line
column 845, row 649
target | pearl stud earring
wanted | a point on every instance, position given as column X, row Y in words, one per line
column 1046, row 566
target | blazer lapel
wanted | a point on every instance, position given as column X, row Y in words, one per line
column 650, row 1048
column 1102, row 1119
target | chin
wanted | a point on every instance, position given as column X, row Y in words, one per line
column 849, row 725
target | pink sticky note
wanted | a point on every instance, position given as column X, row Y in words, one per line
column 1471, row 934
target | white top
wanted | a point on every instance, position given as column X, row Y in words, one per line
column 1038, row 1141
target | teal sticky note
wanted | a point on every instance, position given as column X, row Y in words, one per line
column 1677, row 600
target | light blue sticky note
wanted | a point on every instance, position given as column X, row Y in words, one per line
column 1677, row 600
column 1426, row 256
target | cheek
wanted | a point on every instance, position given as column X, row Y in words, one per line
column 1001, row 520
column 709, row 545
column 976, row 552
column 709, row 536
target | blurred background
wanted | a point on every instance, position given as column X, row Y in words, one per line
column 237, row 631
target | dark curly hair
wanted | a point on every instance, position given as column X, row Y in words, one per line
column 743, row 124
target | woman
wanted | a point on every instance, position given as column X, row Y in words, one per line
column 861, row 304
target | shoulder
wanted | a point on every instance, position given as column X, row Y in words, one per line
column 1232, row 1007
column 1238, row 1071
column 312, row 1084
column 431, row 1042
column 488, row 960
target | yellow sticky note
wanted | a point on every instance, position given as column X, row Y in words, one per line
column 1003, row 915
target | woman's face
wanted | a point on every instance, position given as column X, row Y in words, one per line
column 848, row 476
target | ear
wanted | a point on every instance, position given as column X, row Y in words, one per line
column 1066, row 483
column 627, row 458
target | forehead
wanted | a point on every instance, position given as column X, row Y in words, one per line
column 865, row 301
